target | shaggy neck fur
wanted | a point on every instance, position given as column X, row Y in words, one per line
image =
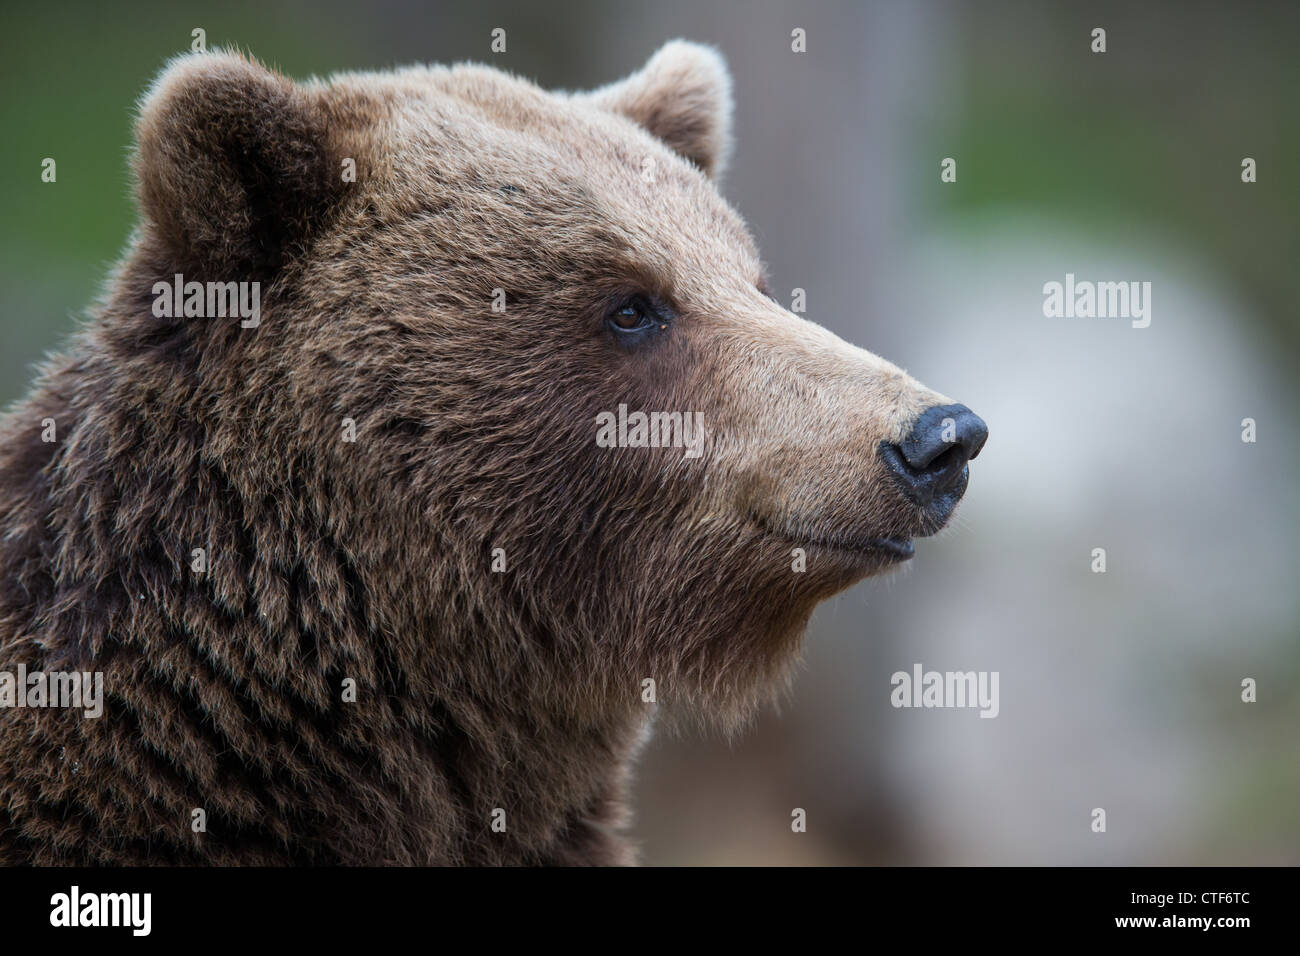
column 225, row 688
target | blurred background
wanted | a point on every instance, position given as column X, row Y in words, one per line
column 1119, row 690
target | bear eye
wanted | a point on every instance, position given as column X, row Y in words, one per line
column 634, row 315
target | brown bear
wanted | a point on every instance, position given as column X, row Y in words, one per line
column 371, row 549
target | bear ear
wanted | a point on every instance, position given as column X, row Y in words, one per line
column 683, row 97
column 231, row 163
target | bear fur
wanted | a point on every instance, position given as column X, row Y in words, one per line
column 499, row 694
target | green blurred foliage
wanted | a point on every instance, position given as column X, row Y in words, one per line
column 1149, row 134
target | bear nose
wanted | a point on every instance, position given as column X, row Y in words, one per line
column 931, row 461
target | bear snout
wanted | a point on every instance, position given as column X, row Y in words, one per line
column 929, row 466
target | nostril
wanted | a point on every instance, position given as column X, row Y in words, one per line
column 951, row 457
column 941, row 430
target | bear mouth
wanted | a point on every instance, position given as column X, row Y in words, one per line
column 895, row 549
column 865, row 550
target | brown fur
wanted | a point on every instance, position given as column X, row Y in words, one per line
column 371, row 560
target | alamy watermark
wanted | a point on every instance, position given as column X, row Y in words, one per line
column 1098, row 300
column 922, row 688
column 651, row 430
column 73, row 689
column 209, row 300
column 74, row 908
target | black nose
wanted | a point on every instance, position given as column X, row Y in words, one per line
column 931, row 461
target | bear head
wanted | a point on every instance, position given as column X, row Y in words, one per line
column 517, row 355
